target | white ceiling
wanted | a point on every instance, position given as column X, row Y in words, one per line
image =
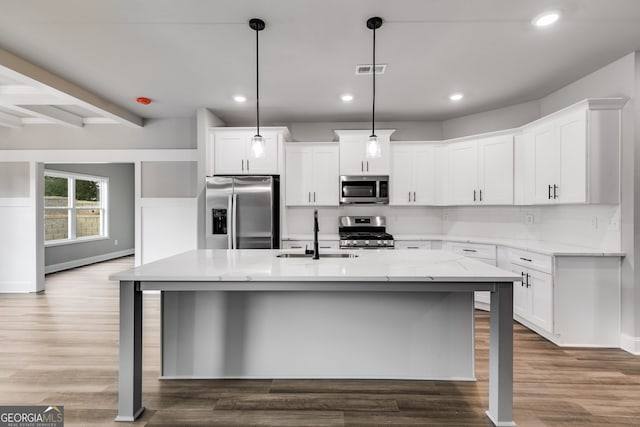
column 189, row 54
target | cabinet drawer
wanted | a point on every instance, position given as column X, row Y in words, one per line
column 412, row 244
column 531, row 260
column 308, row 244
column 473, row 250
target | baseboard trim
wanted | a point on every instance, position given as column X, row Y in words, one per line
column 630, row 344
column 86, row 261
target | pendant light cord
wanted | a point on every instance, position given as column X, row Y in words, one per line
column 373, row 70
column 257, row 86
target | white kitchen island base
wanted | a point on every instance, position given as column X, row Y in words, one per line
column 205, row 276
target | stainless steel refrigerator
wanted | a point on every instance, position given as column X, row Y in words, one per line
column 242, row 212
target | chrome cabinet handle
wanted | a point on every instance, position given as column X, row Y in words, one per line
column 522, row 283
column 525, row 259
column 555, row 188
column 309, row 194
column 549, row 195
column 362, row 166
column 528, row 284
column 414, row 196
column 474, row 195
column 469, row 250
column 480, row 195
column 409, row 196
column 314, row 197
column 242, row 165
column 367, row 165
column 247, row 165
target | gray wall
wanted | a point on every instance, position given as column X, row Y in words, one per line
column 405, row 131
column 121, row 213
column 167, row 133
column 490, row 121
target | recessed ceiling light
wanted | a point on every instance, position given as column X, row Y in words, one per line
column 347, row 97
column 239, row 98
column 546, row 18
column 456, row 96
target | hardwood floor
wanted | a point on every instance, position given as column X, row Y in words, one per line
column 61, row 348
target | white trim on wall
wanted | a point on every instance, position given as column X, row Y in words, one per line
column 86, row 261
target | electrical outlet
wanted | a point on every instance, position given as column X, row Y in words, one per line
column 529, row 219
column 614, row 224
column 115, row 242
column 594, row 222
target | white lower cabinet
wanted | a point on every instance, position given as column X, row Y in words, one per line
column 412, row 244
column 481, row 252
column 533, row 297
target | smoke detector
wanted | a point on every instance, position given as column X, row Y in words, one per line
column 365, row 69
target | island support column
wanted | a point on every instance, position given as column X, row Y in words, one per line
column 501, row 355
column 130, row 374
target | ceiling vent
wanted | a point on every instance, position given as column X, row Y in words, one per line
column 365, row 69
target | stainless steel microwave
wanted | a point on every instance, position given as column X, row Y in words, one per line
column 364, row 189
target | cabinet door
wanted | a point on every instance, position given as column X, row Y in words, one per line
column 299, row 177
column 230, row 153
column 352, row 158
column 523, row 180
column 572, row 134
column 495, row 174
column 378, row 165
column 442, row 178
column 463, row 174
column 541, row 294
column 546, row 163
column 326, row 185
column 401, row 174
column 521, row 300
column 423, row 171
column 267, row 164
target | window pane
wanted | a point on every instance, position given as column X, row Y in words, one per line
column 87, row 193
column 56, row 224
column 55, row 191
column 88, row 222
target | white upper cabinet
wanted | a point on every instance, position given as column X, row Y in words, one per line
column 572, row 156
column 353, row 155
column 442, row 174
column 312, row 177
column 413, row 175
column 229, row 151
column 481, row 171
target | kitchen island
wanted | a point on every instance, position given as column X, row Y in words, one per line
column 405, row 314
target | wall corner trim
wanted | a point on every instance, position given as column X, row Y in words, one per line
column 630, row 344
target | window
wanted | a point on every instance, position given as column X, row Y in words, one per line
column 75, row 207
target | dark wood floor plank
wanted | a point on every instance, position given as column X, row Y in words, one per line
column 307, row 401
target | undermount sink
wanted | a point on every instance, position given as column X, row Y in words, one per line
column 321, row 256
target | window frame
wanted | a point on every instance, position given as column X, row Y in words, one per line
column 72, row 209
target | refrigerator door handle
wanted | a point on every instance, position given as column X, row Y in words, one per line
column 229, row 222
column 234, row 221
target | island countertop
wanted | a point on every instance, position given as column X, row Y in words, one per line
column 259, row 265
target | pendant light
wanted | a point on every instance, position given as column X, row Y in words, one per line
column 257, row 142
column 373, row 143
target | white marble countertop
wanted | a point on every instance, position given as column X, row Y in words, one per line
column 538, row 246
column 369, row 266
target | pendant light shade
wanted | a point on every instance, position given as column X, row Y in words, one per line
column 373, row 143
column 257, row 142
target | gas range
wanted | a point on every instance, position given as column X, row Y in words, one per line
column 364, row 232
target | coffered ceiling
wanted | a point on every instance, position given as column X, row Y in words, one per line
column 200, row 53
